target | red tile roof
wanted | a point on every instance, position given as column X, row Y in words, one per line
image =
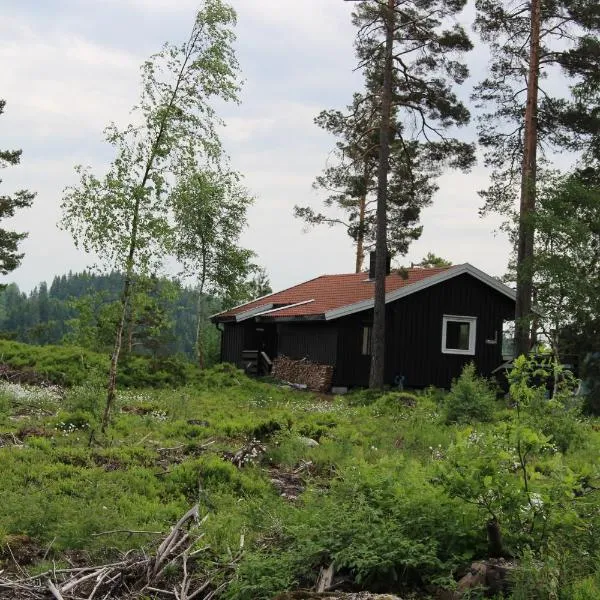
column 325, row 293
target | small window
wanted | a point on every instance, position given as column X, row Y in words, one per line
column 508, row 339
column 458, row 334
column 367, row 340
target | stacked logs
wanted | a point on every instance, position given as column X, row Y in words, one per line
column 314, row 376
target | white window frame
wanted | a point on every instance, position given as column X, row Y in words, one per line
column 472, row 334
column 367, row 340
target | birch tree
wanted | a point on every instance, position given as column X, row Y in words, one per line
column 123, row 216
column 210, row 214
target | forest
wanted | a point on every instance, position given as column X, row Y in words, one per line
column 81, row 309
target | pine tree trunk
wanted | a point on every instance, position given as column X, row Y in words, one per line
column 528, row 184
column 376, row 378
column 360, row 238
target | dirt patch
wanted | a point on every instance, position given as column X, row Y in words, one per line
column 26, row 376
column 290, row 483
column 137, row 410
column 18, row 550
column 108, row 463
column 26, row 432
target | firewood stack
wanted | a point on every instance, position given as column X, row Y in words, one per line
column 316, row 377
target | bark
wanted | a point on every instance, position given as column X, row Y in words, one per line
column 360, row 238
column 523, row 316
column 376, row 378
column 495, row 545
column 199, row 341
column 114, row 360
column 200, row 312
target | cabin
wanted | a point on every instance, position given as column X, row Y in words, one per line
column 437, row 320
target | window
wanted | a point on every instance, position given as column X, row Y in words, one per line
column 458, row 334
column 367, row 340
column 508, row 339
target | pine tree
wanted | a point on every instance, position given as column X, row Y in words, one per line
column 528, row 42
column 410, row 54
column 10, row 258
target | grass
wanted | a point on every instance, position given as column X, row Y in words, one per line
column 376, row 501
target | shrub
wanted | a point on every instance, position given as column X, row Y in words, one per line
column 396, row 402
column 471, row 398
column 363, row 397
column 75, row 366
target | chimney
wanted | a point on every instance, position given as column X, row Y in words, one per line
column 388, row 264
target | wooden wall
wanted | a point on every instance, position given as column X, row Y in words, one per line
column 414, row 341
column 315, row 341
column 232, row 343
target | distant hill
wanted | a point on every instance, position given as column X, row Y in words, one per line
column 81, row 308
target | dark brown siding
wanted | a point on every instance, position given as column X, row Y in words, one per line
column 414, row 335
column 352, row 367
column 317, row 342
column 232, row 343
column 414, row 341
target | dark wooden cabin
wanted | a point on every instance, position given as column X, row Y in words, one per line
column 436, row 321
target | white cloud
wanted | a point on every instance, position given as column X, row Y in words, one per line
column 60, row 83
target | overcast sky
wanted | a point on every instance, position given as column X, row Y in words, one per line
column 71, row 66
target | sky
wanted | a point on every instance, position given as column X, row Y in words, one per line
column 69, row 67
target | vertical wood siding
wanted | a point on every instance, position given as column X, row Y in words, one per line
column 414, row 337
column 232, row 343
column 317, row 342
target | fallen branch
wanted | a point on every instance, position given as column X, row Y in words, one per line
column 138, row 575
column 130, row 531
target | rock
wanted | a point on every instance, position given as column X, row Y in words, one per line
column 491, row 576
column 474, row 580
column 309, row 442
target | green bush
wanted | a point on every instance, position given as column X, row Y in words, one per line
column 363, row 397
column 396, row 402
column 471, row 398
column 74, row 366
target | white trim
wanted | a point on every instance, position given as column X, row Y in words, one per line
column 252, row 312
column 272, row 310
column 421, row 285
column 472, row 321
